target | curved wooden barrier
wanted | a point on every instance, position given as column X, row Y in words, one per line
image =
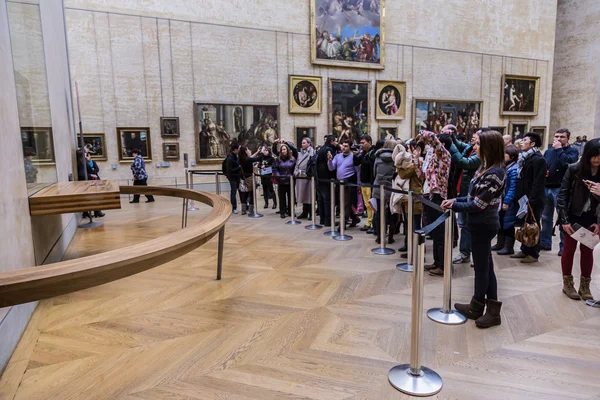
column 36, row 283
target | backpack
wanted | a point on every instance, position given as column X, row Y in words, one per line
column 224, row 166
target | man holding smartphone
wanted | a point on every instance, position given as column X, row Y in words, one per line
column 558, row 158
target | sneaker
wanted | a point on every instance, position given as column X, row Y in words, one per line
column 461, row 259
column 529, row 260
column 235, row 211
column 436, row 272
column 518, row 255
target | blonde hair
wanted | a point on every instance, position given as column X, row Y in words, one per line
column 390, row 144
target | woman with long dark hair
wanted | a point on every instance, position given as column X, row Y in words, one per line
column 283, row 168
column 577, row 203
column 481, row 207
column 266, row 165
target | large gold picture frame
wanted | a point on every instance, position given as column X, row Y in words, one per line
column 354, row 101
column 39, row 141
column 365, row 33
column 134, row 138
column 520, row 95
column 390, row 100
column 306, row 94
column 456, row 107
column 95, row 144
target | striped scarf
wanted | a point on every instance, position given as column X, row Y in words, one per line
column 524, row 156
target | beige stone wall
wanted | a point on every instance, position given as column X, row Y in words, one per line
column 575, row 95
column 136, row 61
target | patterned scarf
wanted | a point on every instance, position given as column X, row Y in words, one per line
column 524, row 156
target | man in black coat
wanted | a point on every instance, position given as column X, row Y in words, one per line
column 233, row 172
column 531, row 183
column 366, row 159
column 323, row 173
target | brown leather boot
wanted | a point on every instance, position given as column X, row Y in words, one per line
column 492, row 315
column 473, row 310
column 569, row 288
column 584, row 288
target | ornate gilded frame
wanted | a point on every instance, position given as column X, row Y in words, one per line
column 316, row 108
column 330, row 99
column 401, row 87
column 414, row 110
column 536, row 100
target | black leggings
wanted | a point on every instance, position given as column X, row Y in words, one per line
column 268, row 190
column 283, row 191
column 486, row 285
column 438, row 233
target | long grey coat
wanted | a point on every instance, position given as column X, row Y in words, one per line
column 383, row 170
column 303, row 185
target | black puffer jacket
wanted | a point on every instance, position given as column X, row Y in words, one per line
column 532, row 181
column 573, row 195
column 323, row 171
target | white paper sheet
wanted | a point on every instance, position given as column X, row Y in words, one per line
column 522, row 207
column 586, row 237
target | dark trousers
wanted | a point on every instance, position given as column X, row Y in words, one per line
column 416, row 226
column 486, row 285
column 324, row 202
column 350, row 197
column 141, row 182
column 391, row 220
column 268, row 190
column 234, row 184
column 533, row 251
column 438, row 233
column 283, row 191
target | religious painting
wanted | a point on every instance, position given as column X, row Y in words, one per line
column 306, row 131
column 540, row 130
column 95, row 145
column 218, row 126
column 348, row 33
column 520, row 95
column 305, row 94
column 517, row 129
column 169, row 127
column 171, row 151
column 388, row 132
column 38, row 144
column 130, row 139
column 433, row 115
column 349, row 108
column 500, row 129
column 391, row 100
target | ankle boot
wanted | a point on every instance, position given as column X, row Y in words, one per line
column 251, row 209
column 305, row 211
column 509, row 247
column 274, row 203
column 492, row 315
column 569, row 288
column 244, row 208
column 391, row 237
column 584, row 288
column 500, row 243
column 473, row 310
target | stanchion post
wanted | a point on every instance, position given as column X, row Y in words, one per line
column 342, row 237
column 414, row 379
column 192, row 204
column 446, row 315
column 313, row 226
column 217, row 184
column 382, row 250
column 408, row 265
column 332, row 232
column 293, row 221
column 255, row 213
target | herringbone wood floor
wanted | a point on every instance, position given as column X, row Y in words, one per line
column 296, row 316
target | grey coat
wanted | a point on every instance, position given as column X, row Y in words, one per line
column 303, row 185
column 383, row 170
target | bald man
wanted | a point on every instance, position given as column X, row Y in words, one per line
column 507, row 140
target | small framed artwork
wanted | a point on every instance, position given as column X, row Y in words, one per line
column 38, row 142
column 391, row 100
column 540, row 130
column 499, row 129
column 171, row 151
column 95, row 145
column 305, row 131
column 520, row 95
column 517, row 129
column 388, row 132
column 432, row 115
column 169, row 127
column 134, row 138
column 349, row 114
column 305, row 94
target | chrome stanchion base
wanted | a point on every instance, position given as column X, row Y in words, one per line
column 294, row 222
column 427, row 383
column 313, row 227
column 382, row 252
column 91, row 225
column 331, row 233
column 193, row 208
column 342, row 238
column 451, row 318
column 255, row 215
column 405, row 267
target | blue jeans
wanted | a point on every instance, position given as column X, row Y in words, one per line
column 548, row 218
column 234, row 184
column 465, row 236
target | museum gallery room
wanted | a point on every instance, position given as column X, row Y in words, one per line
column 311, row 199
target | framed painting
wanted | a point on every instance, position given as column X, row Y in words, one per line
column 348, row 33
column 517, row 129
column 171, row 151
column 39, row 144
column 219, row 125
column 305, row 94
column 433, row 115
column 349, row 108
column 388, row 132
column 500, row 129
column 95, row 145
column 540, row 130
column 520, row 95
column 134, row 138
column 169, row 127
column 391, row 100
column 306, row 131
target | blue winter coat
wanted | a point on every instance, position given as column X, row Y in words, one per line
column 510, row 216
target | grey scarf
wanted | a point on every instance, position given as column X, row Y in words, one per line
column 524, row 156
